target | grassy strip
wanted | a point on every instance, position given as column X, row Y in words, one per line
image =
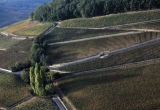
column 12, row 89
column 18, row 53
column 144, row 53
column 36, row 104
column 79, row 50
column 153, row 25
column 64, row 34
column 113, row 19
column 130, row 89
column 7, row 42
column 27, row 28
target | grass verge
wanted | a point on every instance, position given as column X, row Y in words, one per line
column 129, row 89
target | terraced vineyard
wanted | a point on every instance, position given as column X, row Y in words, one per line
column 7, row 42
column 113, row 19
column 140, row 54
column 12, row 89
column 17, row 53
column 152, row 25
column 65, row 34
column 73, row 51
column 129, row 89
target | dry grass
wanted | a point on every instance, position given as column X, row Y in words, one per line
column 27, row 28
column 130, row 89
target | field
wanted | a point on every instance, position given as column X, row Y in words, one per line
column 130, row 89
column 27, row 28
column 7, row 42
column 144, row 53
column 73, row 51
column 151, row 25
column 113, row 19
column 36, row 104
column 17, row 53
column 64, row 34
column 12, row 89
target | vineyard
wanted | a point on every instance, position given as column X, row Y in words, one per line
column 113, row 19
column 152, row 25
column 140, row 54
column 27, row 28
column 7, row 42
column 12, row 89
column 17, row 53
column 129, row 89
column 36, row 104
column 65, row 34
column 73, row 51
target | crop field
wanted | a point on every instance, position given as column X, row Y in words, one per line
column 27, row 28
column 18, row 53
column 130, row 89
column 7, row 42
column 64, row 34
column 113, row 19
column 36, row 104
column 152, row 25
column 144, row 53
column 12, row 89
column 73, row 51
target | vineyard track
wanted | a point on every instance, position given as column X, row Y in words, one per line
column 93, row 38
column 123, row 66
column 114, row 26
column 56, row 66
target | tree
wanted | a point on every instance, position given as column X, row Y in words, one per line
column 31, row 16
column 38, row 79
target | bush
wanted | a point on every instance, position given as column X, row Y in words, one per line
column 54, row 75
column 49, row 88
column 25, row 76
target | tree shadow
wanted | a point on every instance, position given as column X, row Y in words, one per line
column 80, row 83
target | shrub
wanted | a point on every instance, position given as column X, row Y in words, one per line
column 25, row 76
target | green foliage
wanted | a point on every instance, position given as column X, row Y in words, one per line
column 25, row 76
column 49, row 88
column 12, row 89
column 112, row 20
column 54, row 75
column 37, row 51
column 66, row 9
column 130, row 89
column 38, row 80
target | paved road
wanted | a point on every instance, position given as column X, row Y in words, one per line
column 59, row 103
column 98, row 37
column 56, row 66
